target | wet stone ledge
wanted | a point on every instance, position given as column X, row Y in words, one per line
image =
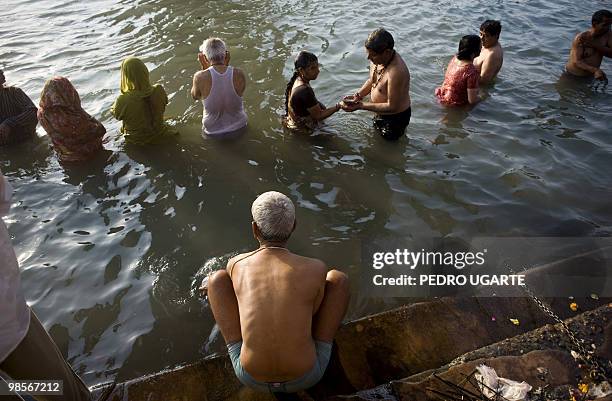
column 370, row 352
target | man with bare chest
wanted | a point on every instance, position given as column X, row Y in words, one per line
column 590, row 47
column 277, row 311
column 491, row 57
column 388, row 86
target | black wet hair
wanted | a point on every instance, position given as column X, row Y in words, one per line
column 379, row 41
column 469, row 45
column 600, row 16
column 492, row 27
column 303, row 60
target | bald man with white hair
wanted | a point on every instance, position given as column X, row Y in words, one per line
column 277, row 311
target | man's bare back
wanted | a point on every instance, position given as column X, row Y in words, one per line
column 278, row 293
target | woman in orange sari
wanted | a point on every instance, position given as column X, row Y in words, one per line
column 76, row 135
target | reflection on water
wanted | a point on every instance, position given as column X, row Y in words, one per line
column 112, row 251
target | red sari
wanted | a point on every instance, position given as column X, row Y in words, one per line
column 75, row 134
column 457, row 80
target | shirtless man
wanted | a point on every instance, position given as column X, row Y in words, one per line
column 491, row 56
column 277, row 311
column 589, row 48
column 388, row 86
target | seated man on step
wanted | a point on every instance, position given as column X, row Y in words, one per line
column 277, row 311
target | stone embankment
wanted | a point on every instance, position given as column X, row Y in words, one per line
column 393, row 355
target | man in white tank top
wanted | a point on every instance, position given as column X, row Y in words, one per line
column 220, row 87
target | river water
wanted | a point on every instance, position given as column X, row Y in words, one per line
column 112, row 251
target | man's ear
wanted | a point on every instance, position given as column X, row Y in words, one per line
column 256, row 232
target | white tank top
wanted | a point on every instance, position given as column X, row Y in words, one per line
column 223, row 109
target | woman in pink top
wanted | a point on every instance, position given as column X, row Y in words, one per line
column 460, row 85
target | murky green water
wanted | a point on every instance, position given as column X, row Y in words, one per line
column 111, row 252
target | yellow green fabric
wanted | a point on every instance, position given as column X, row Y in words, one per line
column 141, row 105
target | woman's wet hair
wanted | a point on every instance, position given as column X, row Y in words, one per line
column 379, row 41
column 600, row 16
column 492, row 27
column 469, row 47
column 303, row 60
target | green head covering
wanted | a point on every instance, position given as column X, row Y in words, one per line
column 135, row 78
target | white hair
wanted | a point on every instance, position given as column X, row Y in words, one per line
column 274, row 215
column 214, row 50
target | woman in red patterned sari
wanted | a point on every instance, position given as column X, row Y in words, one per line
column 76, row 135
column 460, row 85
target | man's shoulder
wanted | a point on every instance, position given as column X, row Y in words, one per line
column 400, row 67
column 237, row 258
column 238, row 71
column 202, row 75
column 239, row 75
column 497, row 51
column 311, row 263
column 580, row 36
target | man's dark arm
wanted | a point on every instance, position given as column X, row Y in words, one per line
column 27, row 117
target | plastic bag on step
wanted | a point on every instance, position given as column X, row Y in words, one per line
column 490, row 385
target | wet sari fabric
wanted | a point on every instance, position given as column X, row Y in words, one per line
column 457, row 80
column 76, row 135
column 141, row 105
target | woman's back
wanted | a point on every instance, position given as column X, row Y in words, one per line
column 143, row 117
column 458, row 79
column 76, row 135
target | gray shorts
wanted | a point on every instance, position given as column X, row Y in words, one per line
column 323, row 350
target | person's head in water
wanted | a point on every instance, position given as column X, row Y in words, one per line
column 214, row 50
column 379, row 46
column 273, row 217
column 469, row 48
column 306, row 67
column 601, row 21
column 489, row 33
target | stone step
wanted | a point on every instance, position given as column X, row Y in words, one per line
column 517, row 358
column 368, row 352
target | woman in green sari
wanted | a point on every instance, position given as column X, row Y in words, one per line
column 141, row 105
